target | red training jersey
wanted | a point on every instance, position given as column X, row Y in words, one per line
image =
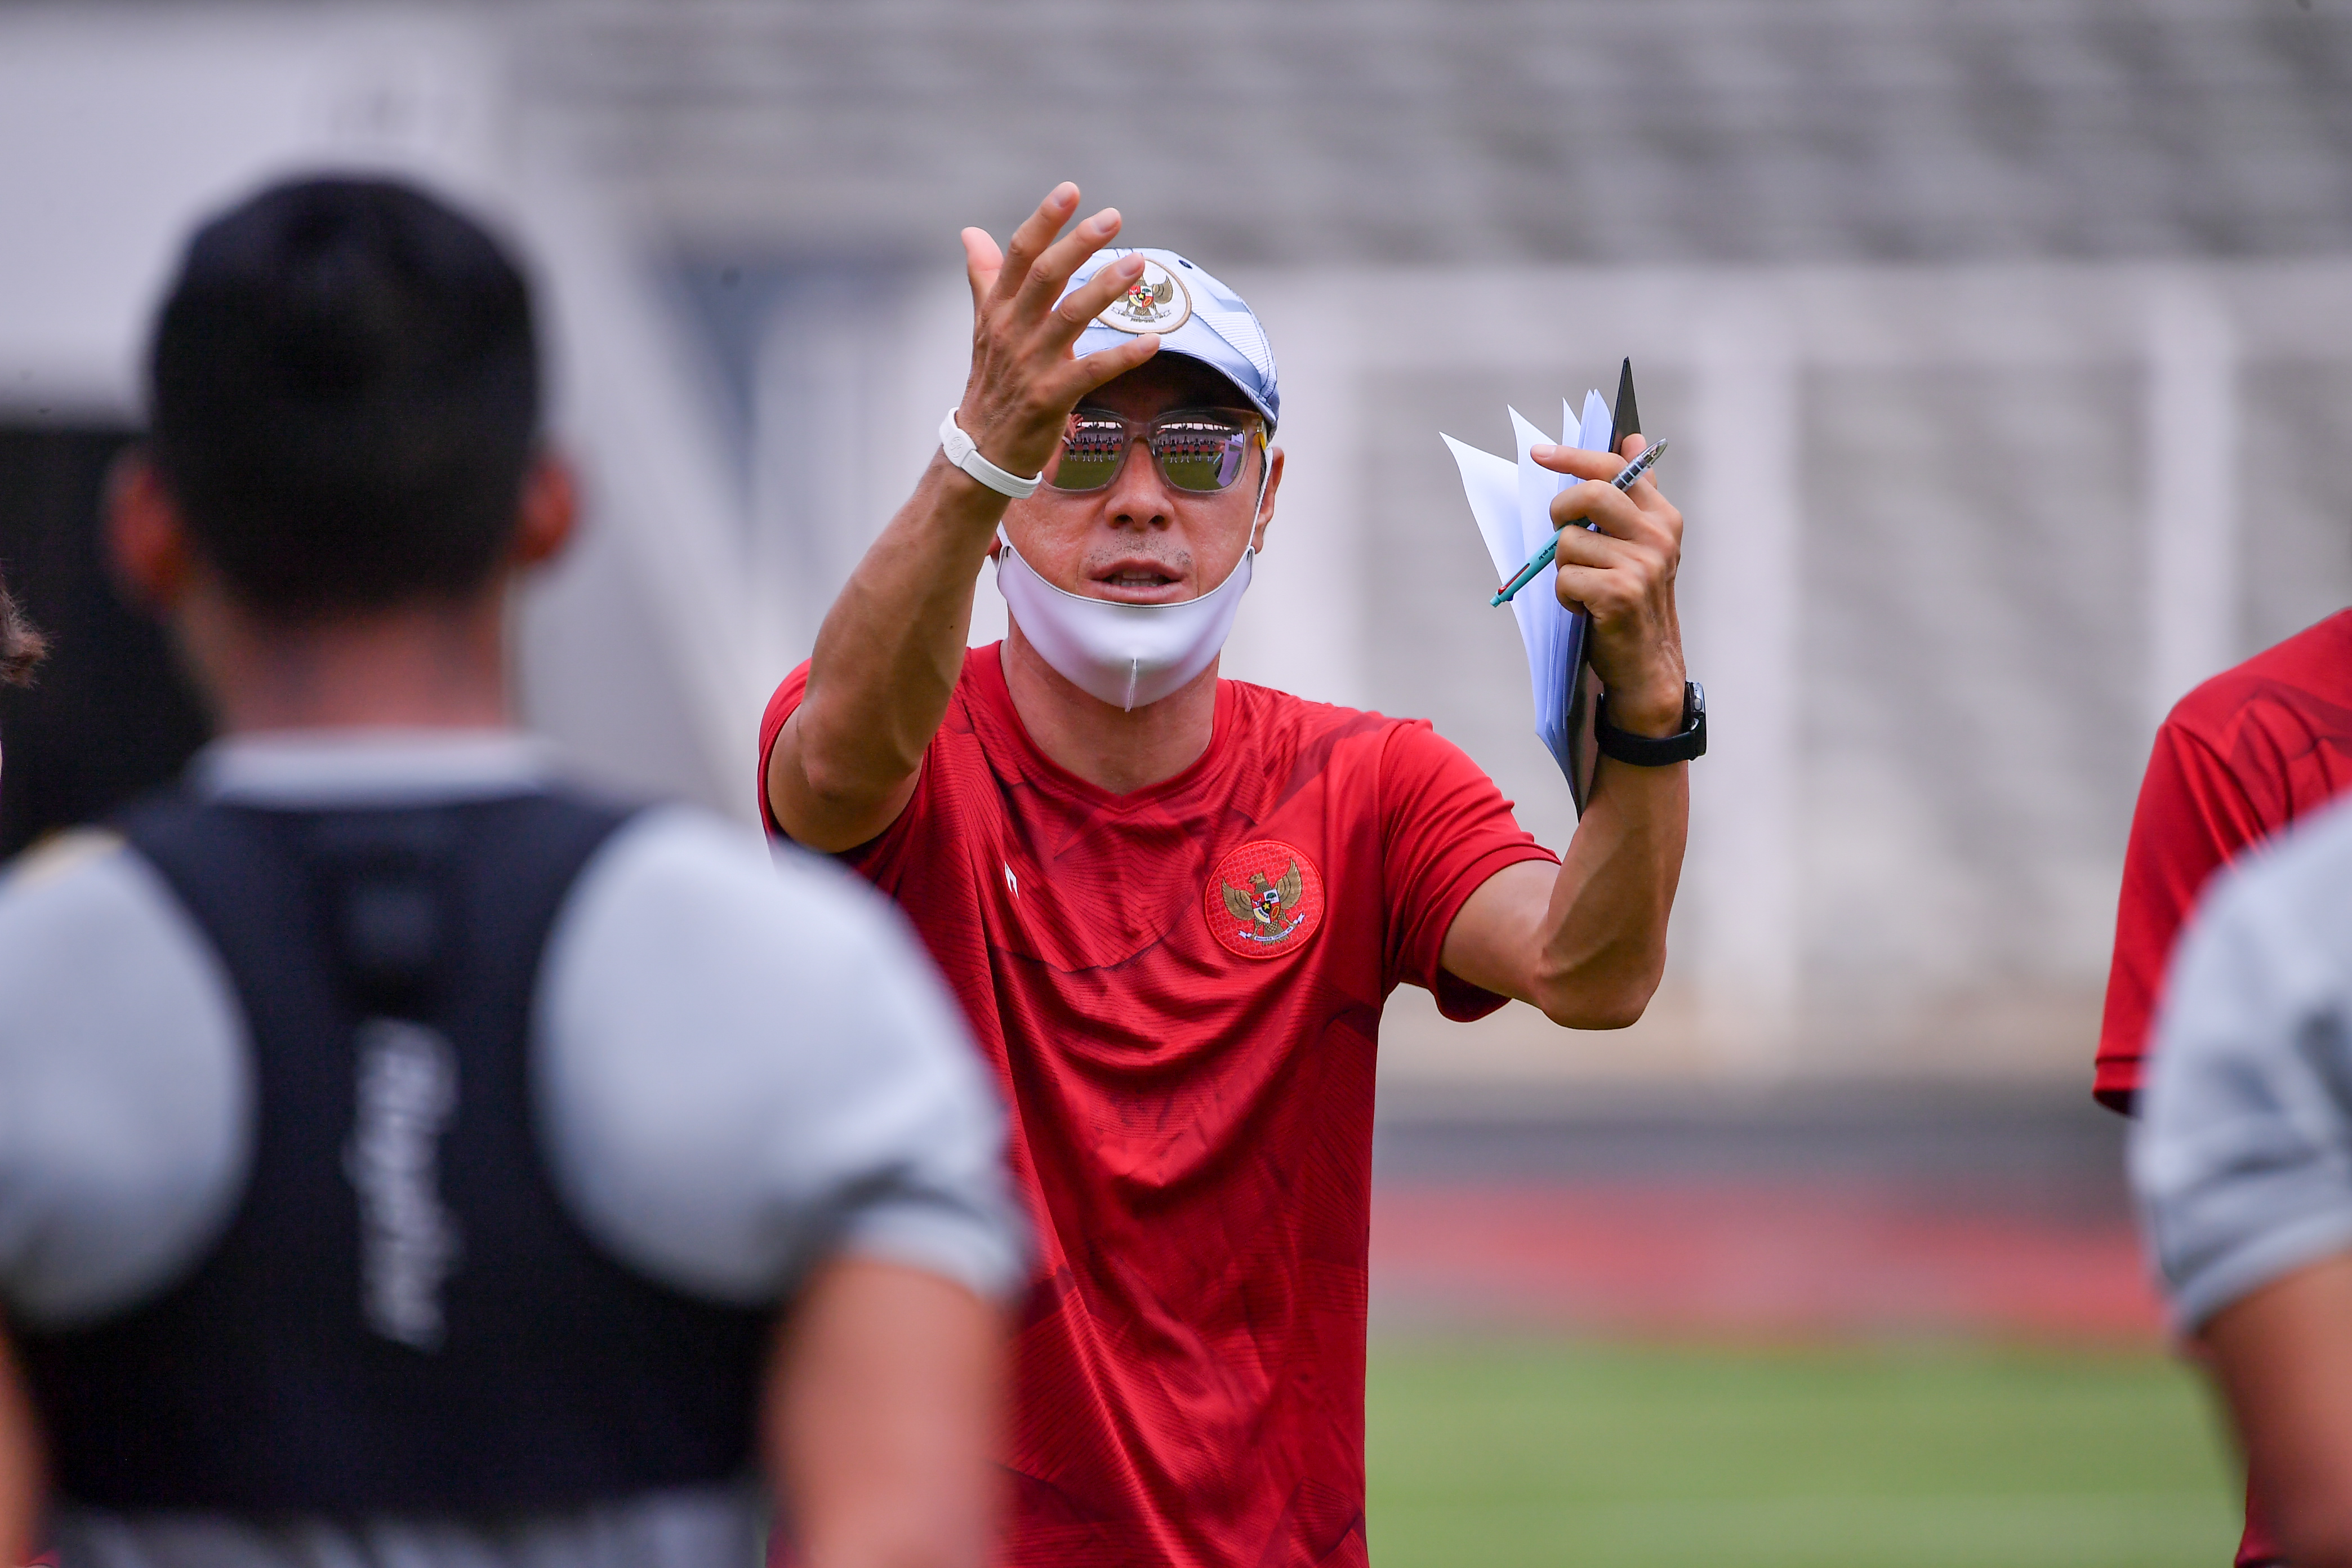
column 2237, row 760
column 1181, row 990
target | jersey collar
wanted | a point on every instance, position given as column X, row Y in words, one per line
column 362, row 767
column 987, row 667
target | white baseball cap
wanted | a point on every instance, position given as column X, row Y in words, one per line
column 1195, row 316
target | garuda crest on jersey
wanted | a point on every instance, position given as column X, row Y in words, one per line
column 1264, row 905
column 1265, row 899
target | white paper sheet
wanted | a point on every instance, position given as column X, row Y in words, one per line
column 1511, row 503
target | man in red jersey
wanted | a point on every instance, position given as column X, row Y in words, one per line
column 1173, row 905
column 2237, row 760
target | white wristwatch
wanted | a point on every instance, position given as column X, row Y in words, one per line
column 964, row 455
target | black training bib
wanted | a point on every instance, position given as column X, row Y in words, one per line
column 401, row 1317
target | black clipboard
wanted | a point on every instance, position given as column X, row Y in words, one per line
column 1584, row 682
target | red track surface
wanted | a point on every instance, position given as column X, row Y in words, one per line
column 1791, row 1260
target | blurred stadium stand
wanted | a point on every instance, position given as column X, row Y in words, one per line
column 1382, row 132
column 2005, row 346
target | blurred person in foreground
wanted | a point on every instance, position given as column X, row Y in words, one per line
column 406, row 1155
column 2241, row 757
column 2241, row 1156
column 1173, row 905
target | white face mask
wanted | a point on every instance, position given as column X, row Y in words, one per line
column 1129, row 656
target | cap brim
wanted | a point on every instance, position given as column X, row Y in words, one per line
column 1186, row 342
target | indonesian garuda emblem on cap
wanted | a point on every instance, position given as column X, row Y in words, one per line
column 1157, row 301
column 1265, row 899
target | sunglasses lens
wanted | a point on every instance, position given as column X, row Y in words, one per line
column 1092, row 450
column 1200, row 454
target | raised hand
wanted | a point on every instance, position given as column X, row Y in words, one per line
column 1024, row 381
column 845, row 764
column 1623, row 577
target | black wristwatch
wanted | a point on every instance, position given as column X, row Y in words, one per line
column 1659, row 751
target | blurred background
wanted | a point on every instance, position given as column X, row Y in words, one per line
column 2006, row 348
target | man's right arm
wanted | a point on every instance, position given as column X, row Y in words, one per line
column 2237, row 1162
column 888, row 657
column 2282, row 1356
column 841, row 1152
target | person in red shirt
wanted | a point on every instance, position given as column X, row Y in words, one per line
column 2237, row 760
column 1173, row 905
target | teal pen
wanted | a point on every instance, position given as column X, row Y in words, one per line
column 1542, row 558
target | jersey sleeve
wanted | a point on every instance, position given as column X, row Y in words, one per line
column 2193, row 816
column 744, row 1068
column 881, row 859
column 1444, row 829
column 781, row 704
column 2242, row 1157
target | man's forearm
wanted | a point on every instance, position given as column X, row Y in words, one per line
column 885, row 665
column 1591, row 957
column 2283, row 1355
column 1604, row 944
column 888, row 657
column 1585, row 943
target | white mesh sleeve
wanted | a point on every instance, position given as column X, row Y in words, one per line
column 742, row 1065
column 2243, row 1155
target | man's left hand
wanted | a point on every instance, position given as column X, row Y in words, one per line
column 1623, row 577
